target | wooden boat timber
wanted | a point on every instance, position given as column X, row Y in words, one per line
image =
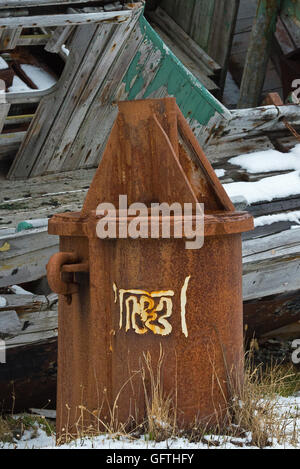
column 52, row 171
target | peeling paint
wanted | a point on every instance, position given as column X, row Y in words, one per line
column 156, row 71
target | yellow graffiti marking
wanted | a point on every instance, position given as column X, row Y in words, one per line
column 5, row 247
column 142, row 311
column 183, row 306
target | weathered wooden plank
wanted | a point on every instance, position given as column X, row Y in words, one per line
column 210, row 24
column 39, row 189
column 292, row 28
column 284, row 245
column 201, row 22
column 271, row 279
column 33, row 96
column 26, row 268
column 50, row 106
column 109, row 42
column 256, row 121
column 277, row 206
column 267, row 314
column 154, row 71
column 9, row 144
column 181, row 12
column 166, row 77
column 59, row 38
column 10, row 324
column 10, row 38
column 62, row 103
column 291, row 8
column 33, row 3
column 180, row 37
column 283, row 38
column 26, row 303
column 65, row 19
column 40, row 326
column 24, row 255
column 228, row 147
column 258, row 53
column 33, row 39
column 199, row 70
column 221, row 34
column 4, row 110
column 87, row 148
column 19, row 120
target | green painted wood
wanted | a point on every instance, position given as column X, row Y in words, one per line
column 201, row 22
column 155, row 71
column 258, row 53
column 292, row 9
column 64, row 134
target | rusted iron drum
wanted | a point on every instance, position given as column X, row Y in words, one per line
column 197, row 296
column 136, row 305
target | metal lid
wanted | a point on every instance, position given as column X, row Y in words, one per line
column 153, row 157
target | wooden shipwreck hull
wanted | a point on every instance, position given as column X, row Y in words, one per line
column 52, row 140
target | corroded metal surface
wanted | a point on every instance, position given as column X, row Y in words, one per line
column 151, row 297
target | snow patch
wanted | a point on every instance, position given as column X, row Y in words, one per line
column 270, row 219
column 3, row 64
column 287, row 407
column 18, row 86
column 65, row 50
column 3, row 302
column 268, row 161
column 220, row 172
column 19, row 290
column 40, row 77
column 267, row 189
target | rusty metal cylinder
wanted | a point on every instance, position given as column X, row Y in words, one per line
column 149, row 310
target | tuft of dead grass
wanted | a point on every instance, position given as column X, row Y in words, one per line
column 256, row 410
column 255, row 416
column 161, row 415
column 12, row 428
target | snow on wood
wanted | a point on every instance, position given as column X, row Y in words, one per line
column 3, row 64
column 3, row 302
column 293, row 217
column 266, row 189
column 268, row 161
column 9, row 324
column 18, row 86
column 40, row 77
column 220, row 172
column 19, row 290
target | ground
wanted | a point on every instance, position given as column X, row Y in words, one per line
column 39, row 434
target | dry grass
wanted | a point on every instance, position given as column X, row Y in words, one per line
column 160, row 422
column 12, row 428
column 254, row 416
column 255, row 410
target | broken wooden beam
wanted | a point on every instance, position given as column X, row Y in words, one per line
column 65, row 19
column 34, row 3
